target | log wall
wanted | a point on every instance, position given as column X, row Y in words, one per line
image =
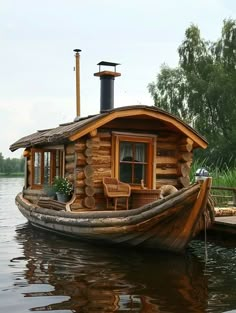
column 173, row 160
column 93, row 162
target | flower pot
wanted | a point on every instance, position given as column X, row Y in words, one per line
column 62, row 197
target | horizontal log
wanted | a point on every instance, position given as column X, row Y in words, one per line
column 166, row 146
column 106, row 144
column 33, row 199
column 186, row 140
column 185, row 147
column 161, row 182
column 105, row 151
column 89, row 152
column 166, row 171
column 80, row 147
column 102, row 172
column 34, row 192
column 89, row 160
column 103, row 165
column 186, row 156
column 93, row 143
column 166, row 136
column 104, row 135
column 70, row 177
column 97, row 183
column 88, row 181
column 70, row 158
column 89, row 202
column 89, row 191
column 81, row 159
column 105, row 159
column 79, row 191
column 80, row 183
column 80, row 174
column 163, row 160
column 69, row 171
column 69, row 166
column 88, row 171
column 70, row 149
column 183, row 169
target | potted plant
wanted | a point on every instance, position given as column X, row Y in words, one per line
column 63, row 188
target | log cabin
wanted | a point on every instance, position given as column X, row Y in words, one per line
column 134, row 143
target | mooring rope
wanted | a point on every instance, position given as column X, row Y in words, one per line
column 205, row 235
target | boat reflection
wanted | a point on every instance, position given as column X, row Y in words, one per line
column 78, row 277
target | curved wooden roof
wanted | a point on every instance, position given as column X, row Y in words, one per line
column 75, row 130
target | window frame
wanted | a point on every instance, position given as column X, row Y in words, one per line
column 150, row 140
column 53, row 154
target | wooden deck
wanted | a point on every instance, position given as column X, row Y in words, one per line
column 225, row 224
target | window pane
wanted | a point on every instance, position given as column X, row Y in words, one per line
column 47, row 159
column 126, row 153
column 140, row 152
column 139, row 173
column 126, row 173
column 37, row 170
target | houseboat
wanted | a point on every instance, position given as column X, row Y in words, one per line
column 130, row 171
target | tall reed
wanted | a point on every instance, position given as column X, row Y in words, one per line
column 221, row 174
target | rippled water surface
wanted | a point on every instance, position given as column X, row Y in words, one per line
column 40, row 271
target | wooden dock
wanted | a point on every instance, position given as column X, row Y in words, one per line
column 225, row 224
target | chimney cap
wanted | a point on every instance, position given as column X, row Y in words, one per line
column 105, row 63
column 108, row 63
column 77, row 50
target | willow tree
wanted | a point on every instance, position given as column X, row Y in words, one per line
column 202, row 89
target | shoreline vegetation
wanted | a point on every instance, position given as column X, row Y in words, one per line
column 21, row 174
column 221, row 174
column 12, row 167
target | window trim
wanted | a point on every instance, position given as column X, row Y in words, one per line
column 52, row 165
column 117, row 137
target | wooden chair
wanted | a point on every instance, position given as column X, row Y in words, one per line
column 115, row 189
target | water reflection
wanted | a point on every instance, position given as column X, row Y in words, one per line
column 76, row 277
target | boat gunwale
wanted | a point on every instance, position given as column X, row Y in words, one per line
column 106, row 218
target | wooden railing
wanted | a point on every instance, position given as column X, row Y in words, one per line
column 224, row 196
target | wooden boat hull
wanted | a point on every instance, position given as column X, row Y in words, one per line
column 167, row 224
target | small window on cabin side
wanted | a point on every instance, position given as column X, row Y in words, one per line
column 134, row 159
column 46, row 165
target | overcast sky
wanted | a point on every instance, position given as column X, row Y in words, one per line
column 37, row 81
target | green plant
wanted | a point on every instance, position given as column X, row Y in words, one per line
column 63, row 185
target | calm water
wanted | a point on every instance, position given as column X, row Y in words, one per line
column 43, row 272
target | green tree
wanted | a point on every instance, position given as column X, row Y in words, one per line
column 1, row 163
column 9, row 166
column 201, row 90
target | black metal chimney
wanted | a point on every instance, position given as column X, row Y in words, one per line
column 107, row 86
